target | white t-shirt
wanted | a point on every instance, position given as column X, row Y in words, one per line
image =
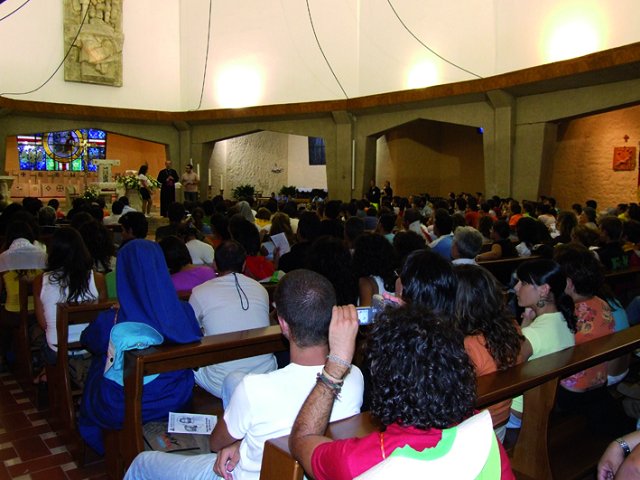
column 218, row 305
column 201, row 252
column 51, row 295
column 265, row 406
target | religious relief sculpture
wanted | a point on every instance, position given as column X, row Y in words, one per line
column 96, row 55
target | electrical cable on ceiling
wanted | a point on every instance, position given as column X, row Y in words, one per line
column 9, row 14
column 206, row 58
column 322, row 51
column 425, row 46
column 59, row 66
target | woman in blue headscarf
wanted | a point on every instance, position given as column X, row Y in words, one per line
column 146, row 295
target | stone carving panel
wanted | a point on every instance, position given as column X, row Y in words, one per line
column 96, row 54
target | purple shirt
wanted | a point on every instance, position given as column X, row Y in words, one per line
column 187, row 279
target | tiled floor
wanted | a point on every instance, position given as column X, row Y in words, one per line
column 29, row 448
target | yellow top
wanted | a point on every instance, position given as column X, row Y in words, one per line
column 12, row 286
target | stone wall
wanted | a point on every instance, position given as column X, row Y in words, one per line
column 583, row 158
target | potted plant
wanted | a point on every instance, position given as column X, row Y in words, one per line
column 244, row 191
column 290, row 192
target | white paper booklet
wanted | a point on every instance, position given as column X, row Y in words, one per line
column 191, row 423
column 280, row 241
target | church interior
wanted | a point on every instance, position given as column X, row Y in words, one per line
column 511, row 98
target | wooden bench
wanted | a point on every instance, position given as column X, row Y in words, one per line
column 625, row 283
column 124, row 445
column 503, row 268
column 61, row 393
column 537, row 379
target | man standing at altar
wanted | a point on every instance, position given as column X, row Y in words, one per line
column 167, row 179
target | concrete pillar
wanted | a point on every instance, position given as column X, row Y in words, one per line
column 498, row 144
column 339, row 162
column 532, row 160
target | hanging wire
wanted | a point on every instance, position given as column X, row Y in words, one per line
column 206, row 58
column 9, row 14
column 425, row 46
column 322, row 51
column 59, row 66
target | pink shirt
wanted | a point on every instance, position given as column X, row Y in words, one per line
column 346, row 459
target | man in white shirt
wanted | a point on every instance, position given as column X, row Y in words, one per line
column 190, row 181
column 265, row 406
column 229, row 303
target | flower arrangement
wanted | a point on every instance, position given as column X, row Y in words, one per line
column 132, row 182
column 91, row 194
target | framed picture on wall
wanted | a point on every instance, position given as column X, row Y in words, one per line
column 624, row 158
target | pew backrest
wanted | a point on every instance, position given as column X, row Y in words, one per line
column 537, row 379
column 210, row 350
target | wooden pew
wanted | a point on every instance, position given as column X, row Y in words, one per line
column 503, row 268
column 19, row 322
column 59, row 381
column 625, row 283
column 124, row 445
column 537, row 379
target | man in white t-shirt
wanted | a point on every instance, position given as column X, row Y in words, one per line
column 229, row 303
column 265, row 406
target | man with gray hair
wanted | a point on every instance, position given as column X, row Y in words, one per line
column 467, row 242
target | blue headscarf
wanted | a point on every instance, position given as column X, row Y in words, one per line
column 147, row 295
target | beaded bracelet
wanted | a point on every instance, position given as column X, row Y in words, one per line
column 337, row 381
column 334, row 387
column 338, row 360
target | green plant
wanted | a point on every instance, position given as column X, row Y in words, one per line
column 289, row 191
column 244, row 191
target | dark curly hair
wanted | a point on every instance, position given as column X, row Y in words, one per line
column 539, row 272
column 480, row 310
column 428, row 280
column 374, row 255
column 421, row 375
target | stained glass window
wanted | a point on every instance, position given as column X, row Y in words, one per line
column 72, row 150
column 316, row 151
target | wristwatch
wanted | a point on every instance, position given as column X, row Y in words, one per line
column 624, row 446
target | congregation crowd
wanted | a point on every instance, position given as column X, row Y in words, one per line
column 447, row 320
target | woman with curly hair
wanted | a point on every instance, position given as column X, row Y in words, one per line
column 492, row 339
column 423, row 384
column 373, row 265
column 427, row 279
column 69, row 277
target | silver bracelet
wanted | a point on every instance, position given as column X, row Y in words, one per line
column 337, row 359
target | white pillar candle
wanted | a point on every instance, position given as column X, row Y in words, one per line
column 209, row 177
column 198, row 170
